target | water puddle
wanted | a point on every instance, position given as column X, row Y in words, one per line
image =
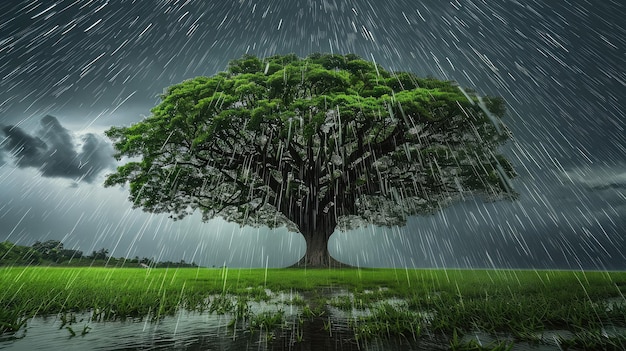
column 283, row 321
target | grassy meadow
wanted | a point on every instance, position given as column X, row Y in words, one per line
column 518, row 303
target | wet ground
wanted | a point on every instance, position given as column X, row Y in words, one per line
column 330, row 330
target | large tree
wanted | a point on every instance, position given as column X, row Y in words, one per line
column 313, row 144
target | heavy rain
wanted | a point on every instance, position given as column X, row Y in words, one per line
column 72, row 69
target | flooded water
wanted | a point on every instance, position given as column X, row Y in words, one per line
column 331, row 330
column 189, row 331
column 192, row 331
column 185, row 331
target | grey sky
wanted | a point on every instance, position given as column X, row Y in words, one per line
column 53, row 151
column 98, row 64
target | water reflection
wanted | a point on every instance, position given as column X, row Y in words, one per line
column 332, row 330
column 204, row 331
column 188, row 331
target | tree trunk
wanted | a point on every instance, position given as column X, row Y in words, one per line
column 315, row 225
column 317, row 255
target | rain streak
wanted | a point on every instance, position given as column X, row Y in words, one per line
column 71, row 69
column 92, row 64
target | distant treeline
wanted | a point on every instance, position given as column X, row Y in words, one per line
column 52, row 252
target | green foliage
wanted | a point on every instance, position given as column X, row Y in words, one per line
column 101, row 254
column 12, row 254
column 40, row 252
column 269, row 136
column 267, row 320
column 387, row 319
column 591, row 340
column 52, row 253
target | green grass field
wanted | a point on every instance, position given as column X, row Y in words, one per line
column 519, row 303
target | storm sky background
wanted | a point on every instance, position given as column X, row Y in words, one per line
column 71, row 69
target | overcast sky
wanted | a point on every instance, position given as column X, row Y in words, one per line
column 71, row 69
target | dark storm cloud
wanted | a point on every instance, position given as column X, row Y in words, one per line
column 54, row 153
column 26, row 149
column 599, row 178
column 610, row 186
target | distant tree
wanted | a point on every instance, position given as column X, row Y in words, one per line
column 133, row 260
column 47, row 247
column 50, row 250
column 101, row 254
column 313, row 144
column 11, row 254
column 70, row 254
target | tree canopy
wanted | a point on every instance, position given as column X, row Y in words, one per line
column 313, row 143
